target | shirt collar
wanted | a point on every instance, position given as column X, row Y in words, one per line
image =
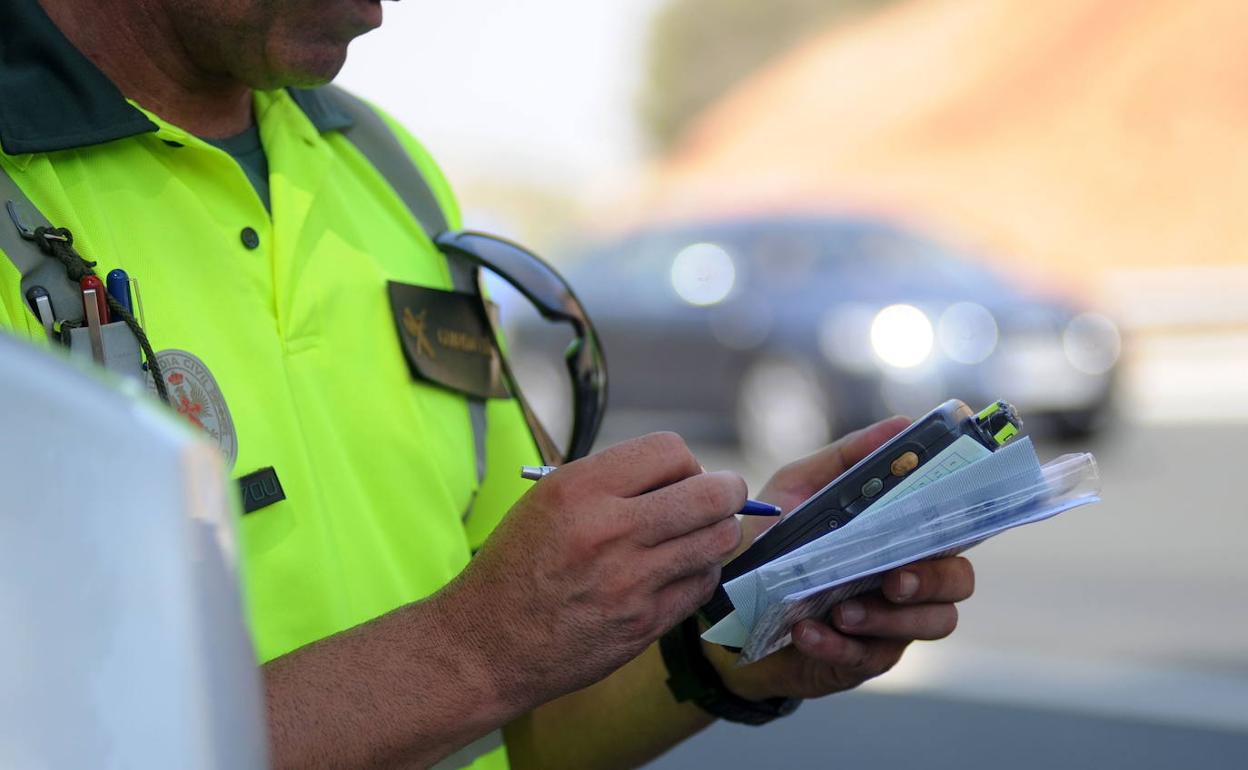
column 53, row 98
column 321, row 109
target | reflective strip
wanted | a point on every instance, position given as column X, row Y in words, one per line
column 373, row 138
column 472, row 752
column 476, row 413
column 36, row 268
column 464, row 275
column 376, row 142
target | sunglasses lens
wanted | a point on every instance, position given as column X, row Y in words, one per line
column 589, row 401
column 538, row 281
column 558, row 368
column 535, row 357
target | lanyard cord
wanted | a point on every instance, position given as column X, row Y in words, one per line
column 58, row 242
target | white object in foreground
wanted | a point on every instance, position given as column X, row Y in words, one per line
column 124, row 644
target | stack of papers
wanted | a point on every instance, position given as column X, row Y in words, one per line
column 963, row 496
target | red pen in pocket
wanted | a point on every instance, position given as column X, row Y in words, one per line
column 93, row 282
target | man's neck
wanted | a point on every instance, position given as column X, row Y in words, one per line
column 137, row 46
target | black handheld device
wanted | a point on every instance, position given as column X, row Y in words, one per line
column 857, row 488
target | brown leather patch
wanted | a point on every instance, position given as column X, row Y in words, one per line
column 447, row 339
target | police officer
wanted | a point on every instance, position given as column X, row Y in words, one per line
column 186, row 142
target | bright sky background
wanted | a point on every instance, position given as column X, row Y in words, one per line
column 535, row 91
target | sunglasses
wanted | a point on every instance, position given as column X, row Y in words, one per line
column 553, row 298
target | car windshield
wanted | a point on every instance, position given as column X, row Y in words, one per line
column 862, row 260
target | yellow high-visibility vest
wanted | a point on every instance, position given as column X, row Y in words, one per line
column 288, row 313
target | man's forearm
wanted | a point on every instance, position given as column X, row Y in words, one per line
column 621, row 722
column 404, row 689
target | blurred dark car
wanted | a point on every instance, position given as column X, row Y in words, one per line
column 784, row 332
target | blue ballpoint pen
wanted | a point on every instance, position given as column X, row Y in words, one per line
column 119, row 289
column 752, row 507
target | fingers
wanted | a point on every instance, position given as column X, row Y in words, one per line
column 863, row 658
column 681, row 598
column 688, row 506
column 863, row 442
column 752, row 527
column 917, row 602
column 876, row 617
column 866, row 636
column 698, row 552
column 638, row 465
column 941, row 580
column 812, row 471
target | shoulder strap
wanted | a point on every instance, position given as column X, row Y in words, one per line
column 370, row 135
column 374, row 139
column 17, row 239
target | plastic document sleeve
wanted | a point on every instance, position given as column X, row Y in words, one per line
column 1006, row 491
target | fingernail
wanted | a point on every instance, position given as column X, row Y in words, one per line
column 907, row 585
column 811, row 635
column 852, row 612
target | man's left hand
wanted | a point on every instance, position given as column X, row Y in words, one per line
column 865, row 636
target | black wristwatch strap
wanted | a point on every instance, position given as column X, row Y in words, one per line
column 691, row 677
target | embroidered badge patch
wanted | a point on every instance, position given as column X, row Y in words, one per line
column 194, row 393
column 447, row 339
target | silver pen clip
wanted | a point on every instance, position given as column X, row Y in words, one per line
column 90, row 304
column 41, row 303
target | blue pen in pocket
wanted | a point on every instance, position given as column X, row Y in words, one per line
column 118, row 284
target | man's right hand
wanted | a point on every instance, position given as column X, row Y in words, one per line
column 593, row 564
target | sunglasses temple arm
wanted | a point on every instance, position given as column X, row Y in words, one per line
column 546, row 446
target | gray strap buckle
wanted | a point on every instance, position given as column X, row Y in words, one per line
column 16, row 215
column 24, row 230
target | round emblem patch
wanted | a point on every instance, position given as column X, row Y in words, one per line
column 194, row 393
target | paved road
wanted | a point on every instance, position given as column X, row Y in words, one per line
column 1115, row 636
column 882, row 732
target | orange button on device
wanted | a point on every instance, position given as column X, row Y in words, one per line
column 905, row 463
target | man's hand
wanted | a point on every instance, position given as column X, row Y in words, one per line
column 867, row 635
column 592, row 565
column 583, row 574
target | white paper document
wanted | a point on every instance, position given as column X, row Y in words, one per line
column 961, row 497
column 734, row 630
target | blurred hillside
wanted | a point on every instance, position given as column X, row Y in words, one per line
column 698, row 50
column 1098, row 143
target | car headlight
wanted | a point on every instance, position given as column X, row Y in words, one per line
column 901, row 335
column 1092, row 343
column 703, row 274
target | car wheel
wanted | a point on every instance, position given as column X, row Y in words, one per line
column 782, row 412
